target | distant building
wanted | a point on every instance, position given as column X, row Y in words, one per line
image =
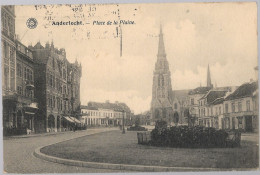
column 105, row 114
column 206, row 113
column 57, row 88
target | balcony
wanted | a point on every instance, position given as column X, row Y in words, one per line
column 31, row 108
column 29, row 84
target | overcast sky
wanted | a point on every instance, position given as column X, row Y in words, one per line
column 223, row 35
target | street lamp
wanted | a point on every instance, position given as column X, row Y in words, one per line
column 123, row 132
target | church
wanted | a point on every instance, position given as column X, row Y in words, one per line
column 166, row 104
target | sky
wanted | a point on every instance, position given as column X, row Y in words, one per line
column 223, row 35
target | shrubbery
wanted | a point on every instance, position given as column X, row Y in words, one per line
column 136, row 128
column 188, row 137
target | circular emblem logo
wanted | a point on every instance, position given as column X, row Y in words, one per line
column 31, row 23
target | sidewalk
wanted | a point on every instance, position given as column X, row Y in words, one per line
column 48, row 133
column 38, row 134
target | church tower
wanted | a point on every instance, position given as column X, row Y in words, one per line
column 209, row 84
column 161, row 105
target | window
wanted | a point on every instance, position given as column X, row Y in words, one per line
column 6, row 51
column 239, row 106
column 54, row 101
column 6, row 75
column 19, row 70
column 192, row 101
column 175, row 106
column 12, row 52
column 219, row 109
column 233, row 107
column 12, row 83
column 247, row 105
column 226, row 108
column 25, row 73
column 30, row 76
column 162, row 81
column 19, row 90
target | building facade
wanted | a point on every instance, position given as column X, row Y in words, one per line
column 8, row 65
column 57, row 88
column 19, row 104
column 105, row 114
column 241, row 108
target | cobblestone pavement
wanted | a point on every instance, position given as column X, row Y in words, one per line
column 18, row 154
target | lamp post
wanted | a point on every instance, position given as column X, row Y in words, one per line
column 123, row 132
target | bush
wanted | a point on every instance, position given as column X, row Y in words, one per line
column 189, row 137
column 136, row 128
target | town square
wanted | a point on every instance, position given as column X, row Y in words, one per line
column 104, row 88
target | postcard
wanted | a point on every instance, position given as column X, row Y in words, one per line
column 141, row 87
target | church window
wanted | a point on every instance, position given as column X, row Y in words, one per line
column 162, row 81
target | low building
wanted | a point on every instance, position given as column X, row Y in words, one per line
column 105, row 114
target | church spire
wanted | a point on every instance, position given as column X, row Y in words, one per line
column 208, row 78
column 161, row 49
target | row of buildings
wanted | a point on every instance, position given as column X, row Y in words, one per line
column 219, row 107
column 41, row 88
column 106, row 114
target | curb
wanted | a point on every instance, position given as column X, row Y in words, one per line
column 37, row 153
column 143, row 168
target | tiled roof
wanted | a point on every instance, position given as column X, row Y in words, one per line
column 217, row 101
column 199, row 90
column 180, row 94
column 87, row 107
column 245, row 90
column 112, row 106
column 213, row 95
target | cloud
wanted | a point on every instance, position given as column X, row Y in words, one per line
column 223, row 35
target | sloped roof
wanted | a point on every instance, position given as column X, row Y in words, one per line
column 217, row 101
column 87, row 107
column 199, row 90
column 245, row 90
column 180, row 94
column 111, row 106
column 213, row 95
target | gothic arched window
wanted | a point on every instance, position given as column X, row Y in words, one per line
column 162, row 81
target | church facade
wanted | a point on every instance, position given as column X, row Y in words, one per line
column 163, row 106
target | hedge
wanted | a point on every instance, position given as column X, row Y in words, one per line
column 188, row 137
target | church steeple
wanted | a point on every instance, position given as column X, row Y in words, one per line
column 209, row 84
column 162, row 87
column 161, row 48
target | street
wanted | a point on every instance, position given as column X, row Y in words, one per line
column 18, row 154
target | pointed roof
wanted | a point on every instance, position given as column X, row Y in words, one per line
column 208, row 78
column 161, row 48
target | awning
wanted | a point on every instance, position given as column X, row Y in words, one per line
column 68, row 119
column 30, row 113
column 75, row 120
